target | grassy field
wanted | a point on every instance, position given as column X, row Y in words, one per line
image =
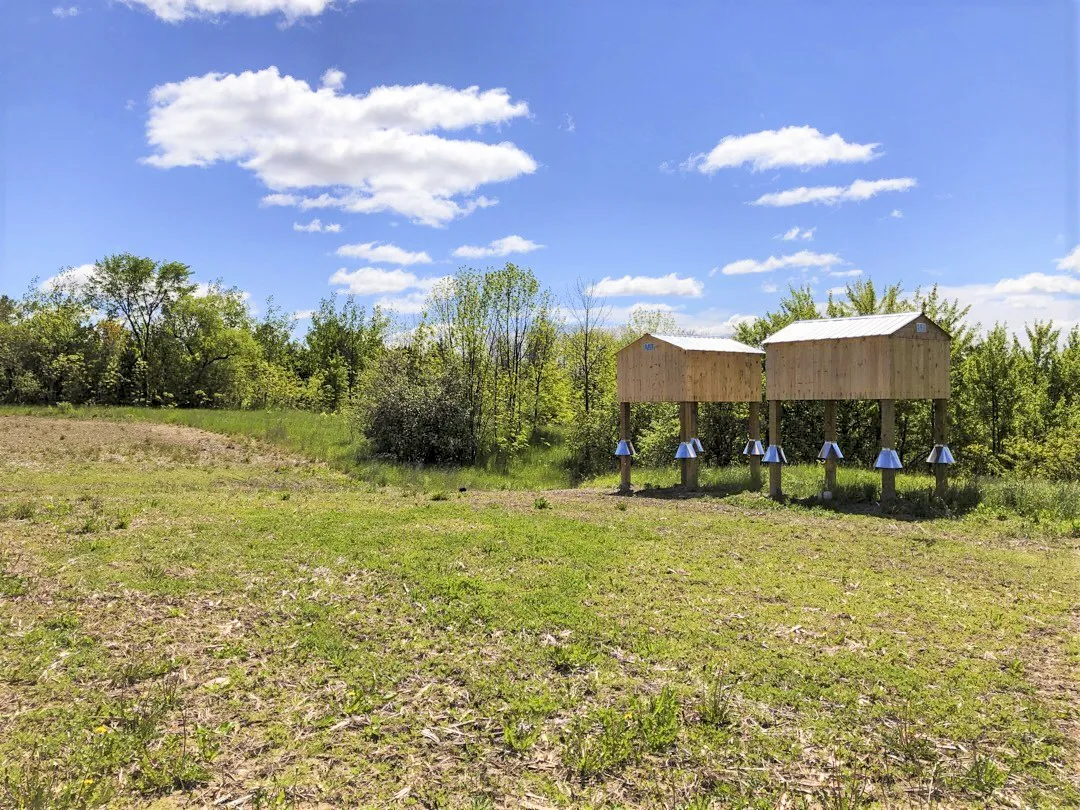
column 192, row 619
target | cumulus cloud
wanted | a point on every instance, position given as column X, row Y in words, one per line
column 1019, row 301
column 804, row 258
column 179, row 10
column 316, row 226
column 65, row 11
column 383, row 254
column 671, row 284
column 303, row 314
column 832, row 195
column 805, row 234
column 323, row 148
column 499, row 247
column 1070, row 262
column 70, row 278
column 802, row 147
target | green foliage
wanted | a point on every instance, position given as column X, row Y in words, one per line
column 493, row 370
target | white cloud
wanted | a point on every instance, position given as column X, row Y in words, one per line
column 322, row 148
column 178, row 10
column 837, row 291
column 1019, row 301
column 499, row 247
column 568, row 124
column 411, row 304
column 897, row 214
column 832, row 195
column 374, row 280
column 316, row 226
column 303, row 314
column 333, row 79
column 769, row 288
column 806, row 234
column 65, row 11
column 671, row 284
column 70, row 278
column 791, row 146
column 804, row 258
column 1070, row 262
column 384, row 254
column 845, row 273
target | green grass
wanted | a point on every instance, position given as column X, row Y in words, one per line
column 330, row 438
column 224, row 626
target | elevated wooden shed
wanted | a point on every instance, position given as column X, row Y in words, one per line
column 884, row 357
column 687, row 370
column 901, row 356
column 673, row 368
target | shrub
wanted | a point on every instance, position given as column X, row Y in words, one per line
column 418, row 416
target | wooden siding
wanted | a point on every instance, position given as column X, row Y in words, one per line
column 657, row 375
column 909, row 364
column 667, row 373
column 723, row 377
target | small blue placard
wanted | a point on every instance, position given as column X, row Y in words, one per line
column 650, row 346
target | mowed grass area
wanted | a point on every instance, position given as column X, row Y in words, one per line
column 191, row 619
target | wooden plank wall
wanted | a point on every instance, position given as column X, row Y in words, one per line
column 670, row 374
column 651, row 376
column 879, row 367
column 723, row 377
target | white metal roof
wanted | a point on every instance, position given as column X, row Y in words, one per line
column 832, row 328
column 707, row 344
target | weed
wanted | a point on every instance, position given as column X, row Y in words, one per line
column 572, row 657
column 24, row 510
column 440, row 496
column 621, row 506
column 658, row 720
column 715, row 705
column 598, row 742
column 520, row 733
column 984, row 777
column 541, row 503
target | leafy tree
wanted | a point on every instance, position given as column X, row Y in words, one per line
column 140, row 292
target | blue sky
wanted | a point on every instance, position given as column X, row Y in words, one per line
column 205, row 130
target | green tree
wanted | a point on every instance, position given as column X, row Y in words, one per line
column 140, row 291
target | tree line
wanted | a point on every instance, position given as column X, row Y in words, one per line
column 496, row 364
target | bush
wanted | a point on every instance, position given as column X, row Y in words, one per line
column 416, row 416
column 591, row 442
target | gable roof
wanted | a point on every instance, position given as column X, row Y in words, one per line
column 692, row 343
column 833, row 328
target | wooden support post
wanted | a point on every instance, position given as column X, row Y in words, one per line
column 941, row 436
column 754, row 430
column 775, row 488
column 684, row 435
column 888, row 437
column 830, row 436
column 624, row 434
column 695, row 463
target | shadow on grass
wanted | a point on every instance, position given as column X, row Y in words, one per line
column 861, row 498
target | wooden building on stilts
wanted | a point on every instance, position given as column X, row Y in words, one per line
column 879, row 357
column 687, row 370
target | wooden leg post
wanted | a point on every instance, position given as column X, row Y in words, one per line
column 754, row 430
column 830, row 436
column 941, row 436
column 695, row 464
column 888, row 436
column 684, row 435
column 624, row 434
column 775, row 489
